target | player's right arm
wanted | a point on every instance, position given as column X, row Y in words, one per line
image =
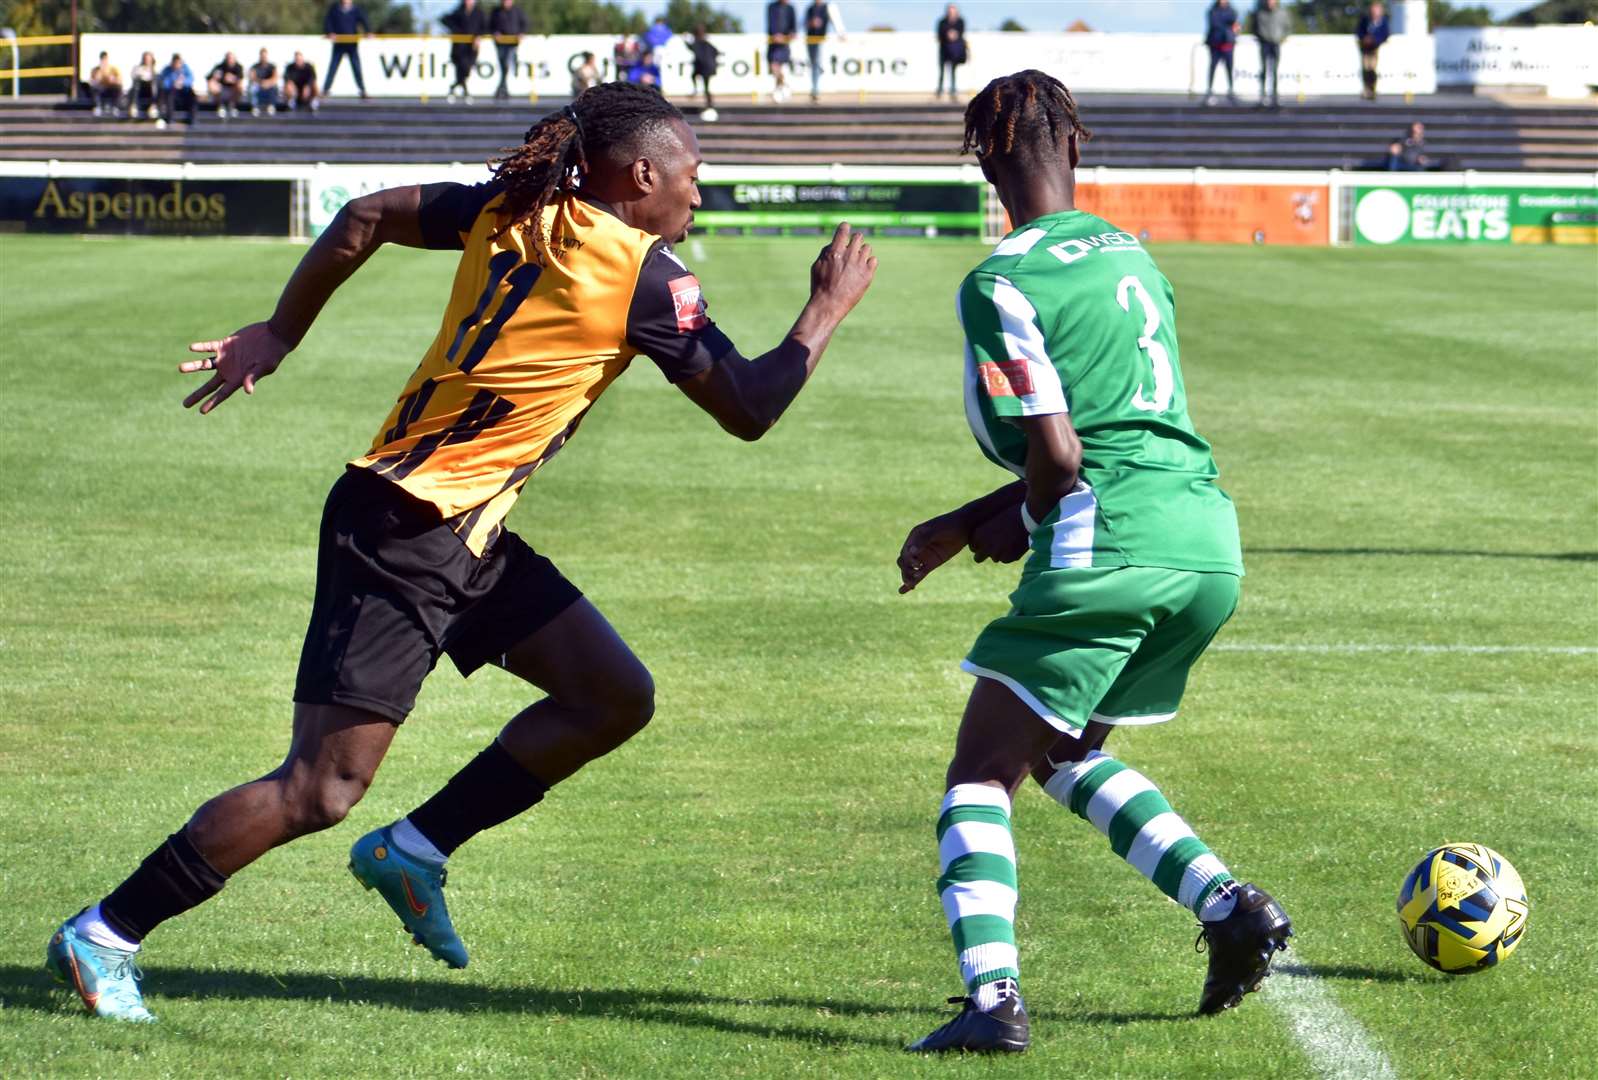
column 427, row 216
column 669, row 323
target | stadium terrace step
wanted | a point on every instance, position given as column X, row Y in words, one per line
column 1129, row 131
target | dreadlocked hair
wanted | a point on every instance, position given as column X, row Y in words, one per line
column 1019, row 111
column 604, row 122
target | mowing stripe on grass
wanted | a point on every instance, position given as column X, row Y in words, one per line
column 1260, row 647
column 1333, row 1041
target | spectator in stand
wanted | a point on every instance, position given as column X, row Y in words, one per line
column 225, row 85
column 657, row 35
column 1414, row 153
column 1271, row 26
column 626, row 54
column 952, row 50
column 508, row 23
column 263, row 86
column 781, row 25
column 585, row 73
column 821, row 17
column 299, row 84
column 177, row 90
column 1220, row 34
column 105, row 82
column 1372, row 33
column 344, row 23
column 646, row 71
column 706, row 59
column 144, row 87
column 466, row 24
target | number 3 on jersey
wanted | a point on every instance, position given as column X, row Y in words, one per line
column 1159, row 359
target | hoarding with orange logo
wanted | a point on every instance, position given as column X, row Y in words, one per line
column 1215, row 213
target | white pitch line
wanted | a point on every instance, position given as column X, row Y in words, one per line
column 1350, row 647
column 1334, row 1042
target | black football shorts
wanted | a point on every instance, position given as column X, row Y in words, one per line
column 395, row 587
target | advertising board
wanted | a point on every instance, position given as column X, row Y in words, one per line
column 1475, row 215
column 817, row 206
column 1213, row 213
column 104, row 205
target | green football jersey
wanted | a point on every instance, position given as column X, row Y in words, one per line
column 1070, row 314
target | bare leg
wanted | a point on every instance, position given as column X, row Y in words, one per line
column 600, row 695
column 1001, row 739
column 331, row 761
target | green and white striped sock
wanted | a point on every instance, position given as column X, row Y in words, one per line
column 1143, row 829
column 978, row 886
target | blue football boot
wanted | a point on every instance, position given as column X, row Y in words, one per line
column 106, row 979
column 413, row 889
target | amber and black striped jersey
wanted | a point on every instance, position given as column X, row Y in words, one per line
column 531, row 337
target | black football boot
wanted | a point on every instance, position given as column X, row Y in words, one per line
column 1241, row 946
column 1004, row 1029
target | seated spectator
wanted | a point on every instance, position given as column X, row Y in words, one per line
column 1415, row 155
column 646, row 71
column 105, row 81
column 299, row 84
column 143, row 87
column 585, row 74
column 263, row 86
column 177, row 90
column 226, row 85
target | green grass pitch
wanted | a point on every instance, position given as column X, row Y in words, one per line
column 747, row 888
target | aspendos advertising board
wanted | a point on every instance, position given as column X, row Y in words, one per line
column 91, row 205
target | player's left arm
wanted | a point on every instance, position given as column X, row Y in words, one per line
column 414, row 216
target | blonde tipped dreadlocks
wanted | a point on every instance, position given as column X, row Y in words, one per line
column 1018, row 111
column 605, row 122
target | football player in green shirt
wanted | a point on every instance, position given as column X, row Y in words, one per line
column 1072, row 382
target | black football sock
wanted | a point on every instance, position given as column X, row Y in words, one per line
column 491, row 789
column 172, row 879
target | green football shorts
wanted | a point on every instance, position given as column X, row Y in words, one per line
column 1111, row 644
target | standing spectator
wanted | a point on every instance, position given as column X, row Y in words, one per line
column 509, row 23
column 299, row 84
column 952, row 51
column 106, row 83
column 177, row 90
column 343, row 24
column 657, row 35
column 1220, row 34
column 707, row 58
column 225, row 84
column 1372, row 34
column 820, row 18
column 585, row 73
column 263, row 86
column 1271, row 26
column 781, row 24
column 143, row 87
column 466, row 24
column 626, row 54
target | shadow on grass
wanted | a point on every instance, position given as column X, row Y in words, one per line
column 31, row 988
column 1348, row 971
column 1432, row 553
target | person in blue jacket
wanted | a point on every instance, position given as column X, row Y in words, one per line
column 343, row 23
column 1372, row 32
column 1220, row 34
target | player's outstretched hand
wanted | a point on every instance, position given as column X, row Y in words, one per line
column 1002, row 538
column 241, row 359
column 844, row 269
column 930, row 545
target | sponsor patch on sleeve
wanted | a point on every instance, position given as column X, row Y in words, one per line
column 1006, row 378
column 689, row 303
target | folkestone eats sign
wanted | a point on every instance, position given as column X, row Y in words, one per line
column 1488, row 215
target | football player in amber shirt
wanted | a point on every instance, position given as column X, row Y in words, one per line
column 566, row 274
